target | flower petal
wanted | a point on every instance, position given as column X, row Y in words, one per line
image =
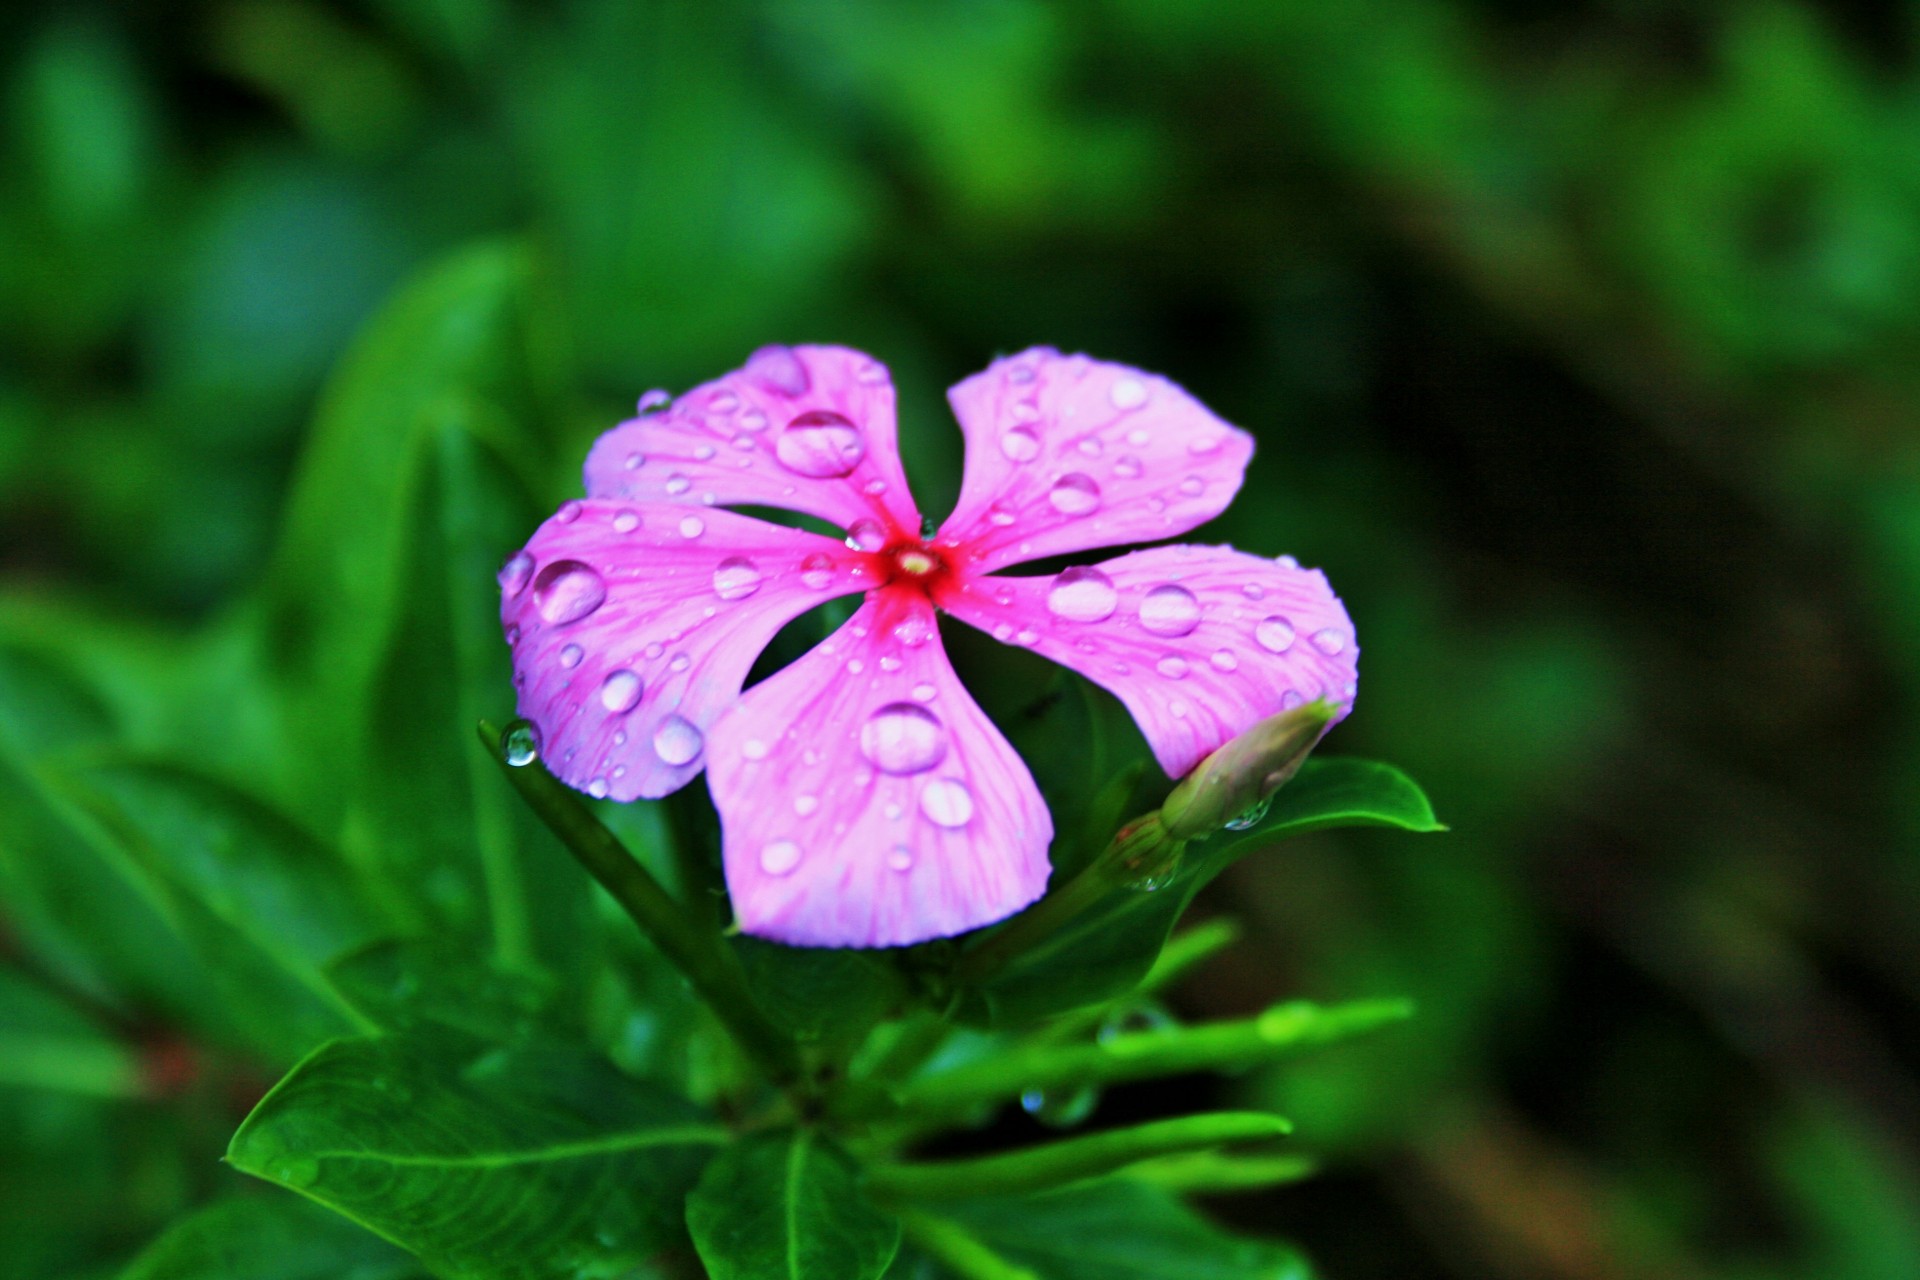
column 800, row 428
column 1065, row 453
column 1198, row 642
column 866, row 800
column 633, row 627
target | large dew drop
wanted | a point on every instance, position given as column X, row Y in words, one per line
column 676, row 741
column 1169, row 610
column 820, row 444
column 520, row 744
column 866, row 534
column 1329, row 641
column 946, row 802
column 620, row 691
column 902, row 738
column 779, row 369
column 1074, row 494
column 1274, row 633
column 1082, row 594
column 567, row 591
column 816, row 571
column 514, row 574
column 1020, row 445
column 1128, row 393
column 780, row 857
column 736, row 578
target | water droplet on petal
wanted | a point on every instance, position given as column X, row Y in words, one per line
column 1286, row 562
column 1290, row 700
column 754, row 749
column 999, row 515
column 1173, row 668
column 902, row 738
column 569, row 511
column 1224, row 660
column 703, row 452
column 676, row 741
column 723, row 402
column 1027, row 636
column 816, row 571
column 900, row 858
column 1020, row 373
column 1082, row 594
column 515, row 573
column 626, row 522
column 924, row 692
column 1074, row 494
column 779, row 369
column 678, row 484
column 1128, row 467
column 597, row 788
column 806, row 805
column 692, row 527
column 946, row 802
column 1274, row 633
column 1020, row 444
column 679, row 662
column 1138, row 437
column 1329, row 641
column 654, row 399
column 635, row 461
column 1089, row 447
column 913, row 631
column 820, row 444
column 567, row 591
column 620, row 692
column 780, row 857
column 1169, row 610
column 1203, row 445
column 1128, row 393
column 520, row 744
column 736, row 578
column 1248, row 816
column 570, row 656
column 1193, row 486
column 866, row 534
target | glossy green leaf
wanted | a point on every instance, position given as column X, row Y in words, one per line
column 819, row 994
column 1118, row 1229
column 788, row 1206
column 269, row 1237
column 1106, row 950
column 494, row 1164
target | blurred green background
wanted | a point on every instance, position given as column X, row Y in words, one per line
column 1582, row 341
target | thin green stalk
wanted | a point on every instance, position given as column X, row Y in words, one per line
column 68, row 1064
column 1055, row 1164
column 1242, row 1042
column 958, row 1249
column 1213, row 1172
column 697, row 953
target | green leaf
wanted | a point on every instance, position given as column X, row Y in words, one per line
column 819, row 994
column 270, row 1237
column 1117, row 1230
column 1108, row 949
column 788, row 1206
column 260, row 902
column 498, row 1164
column 406, row 985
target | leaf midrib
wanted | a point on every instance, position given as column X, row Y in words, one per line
column 687, row 1136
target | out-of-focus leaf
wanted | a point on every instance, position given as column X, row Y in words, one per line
column 1118, row 1229
column 408, row 986
column 1110, row 947
column 502, row 1164
column 262, row 904
column 271, row 1237
column 788, row 1206
column 819, row 993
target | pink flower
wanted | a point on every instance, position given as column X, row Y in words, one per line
column 865, row 800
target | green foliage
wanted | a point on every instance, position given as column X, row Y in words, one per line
column 785, row 1206
column 269, row 1238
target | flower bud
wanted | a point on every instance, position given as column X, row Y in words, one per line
column 1242, row 776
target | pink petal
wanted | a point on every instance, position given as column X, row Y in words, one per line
column 633, row 627
column 1065, row 453
column 867, row 801
column 800, row 428
column 1198, row 642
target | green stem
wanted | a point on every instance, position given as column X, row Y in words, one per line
column 1211, row 1172
column 698, row 954
column 1242, row 1042
column 957, row 1248
column 1137, row 849
column 67, row 1064
column 1182, row 953
column 1058, row 1163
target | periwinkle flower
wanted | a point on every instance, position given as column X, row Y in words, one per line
column 865, row 800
